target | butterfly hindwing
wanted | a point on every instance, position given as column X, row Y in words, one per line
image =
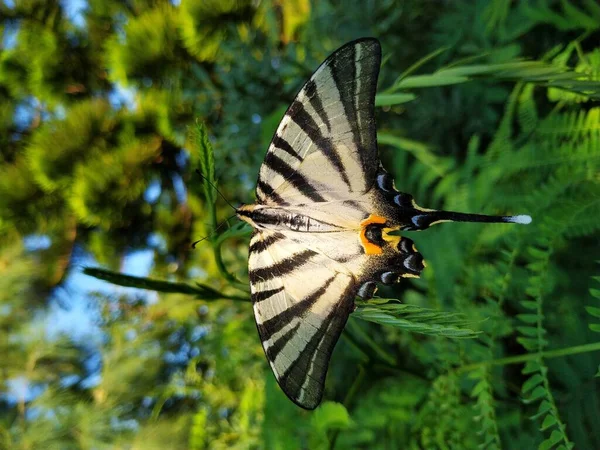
column 301, row 304
column 325, row 147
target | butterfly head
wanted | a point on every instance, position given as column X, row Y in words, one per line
column 247, row 214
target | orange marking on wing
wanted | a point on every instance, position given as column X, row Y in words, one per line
column 370, row 248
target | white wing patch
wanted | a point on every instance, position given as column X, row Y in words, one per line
column 325, row 146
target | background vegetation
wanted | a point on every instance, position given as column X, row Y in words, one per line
column 479, row 112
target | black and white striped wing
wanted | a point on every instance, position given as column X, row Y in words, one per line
column 325, row 147
column 301, row 304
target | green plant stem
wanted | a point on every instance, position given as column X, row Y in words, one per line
column 347, row 336
column 574, row 350
column 229, row 277
column 347, row 400
column 380, row 352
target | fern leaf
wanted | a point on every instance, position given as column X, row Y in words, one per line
column 206, row 159
column 415, row 319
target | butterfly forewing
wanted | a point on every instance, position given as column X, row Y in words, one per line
column 325, row 147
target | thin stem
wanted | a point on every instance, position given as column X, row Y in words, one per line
column 347, row 336
column 380, row 352
column 347, row 400
column 568, row 351
column 228, row 276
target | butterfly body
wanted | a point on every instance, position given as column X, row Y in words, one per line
column 324, row 220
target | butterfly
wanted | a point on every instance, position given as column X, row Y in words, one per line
column 324, row 213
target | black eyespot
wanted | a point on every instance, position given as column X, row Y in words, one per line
column 404, row 200
column 385, row 182
column 367, row 290
column 389, row 277
column 373, row 233
column 414, row 262
column 405, row 245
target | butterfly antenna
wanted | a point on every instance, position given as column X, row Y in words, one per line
column 216, row 189
column 226, row 221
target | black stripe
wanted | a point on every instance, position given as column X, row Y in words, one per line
column 310, row 90
column 281, row 268
column 299, row 309
column 323, row 341
column 354, row 204
column 297, row 373
column 347, row 91
column 299, row 115
column 263, row 295
column 269, row 192
column 280, row 343
column 284, row 145
column 292, row 176
column 262, row 244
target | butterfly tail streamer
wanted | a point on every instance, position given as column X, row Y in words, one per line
column 425, row 219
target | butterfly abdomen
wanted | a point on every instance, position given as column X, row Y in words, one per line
column 264, row 217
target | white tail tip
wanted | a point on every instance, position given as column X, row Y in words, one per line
column 522, row 219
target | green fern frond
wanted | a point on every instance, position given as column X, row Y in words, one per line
column 205, row 156
column 443, row 421
column 588, row 64
column 533, row 337
column 385, row 413
column 594, row 311
column 414, row 318
column 486, row 411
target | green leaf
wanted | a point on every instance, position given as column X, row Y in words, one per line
column 420, row 63
column 393, row 99
column 331, row 416
column 532, row 382
column 436, row 164
column 425, row 81
column 531, row 366
column 529, row 304
column 528, row 331
column 201, row 291
column 528, row 318
column 549, row 421
column 581, row 17
column 528, row 343
column 595, row 327
column 537, row 393
column 545, row 406
column 554, row 438
column 206, row 157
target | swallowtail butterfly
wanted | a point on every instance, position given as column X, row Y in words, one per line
column 322, row 221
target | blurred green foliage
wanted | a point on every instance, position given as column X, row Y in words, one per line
column 484, row 106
